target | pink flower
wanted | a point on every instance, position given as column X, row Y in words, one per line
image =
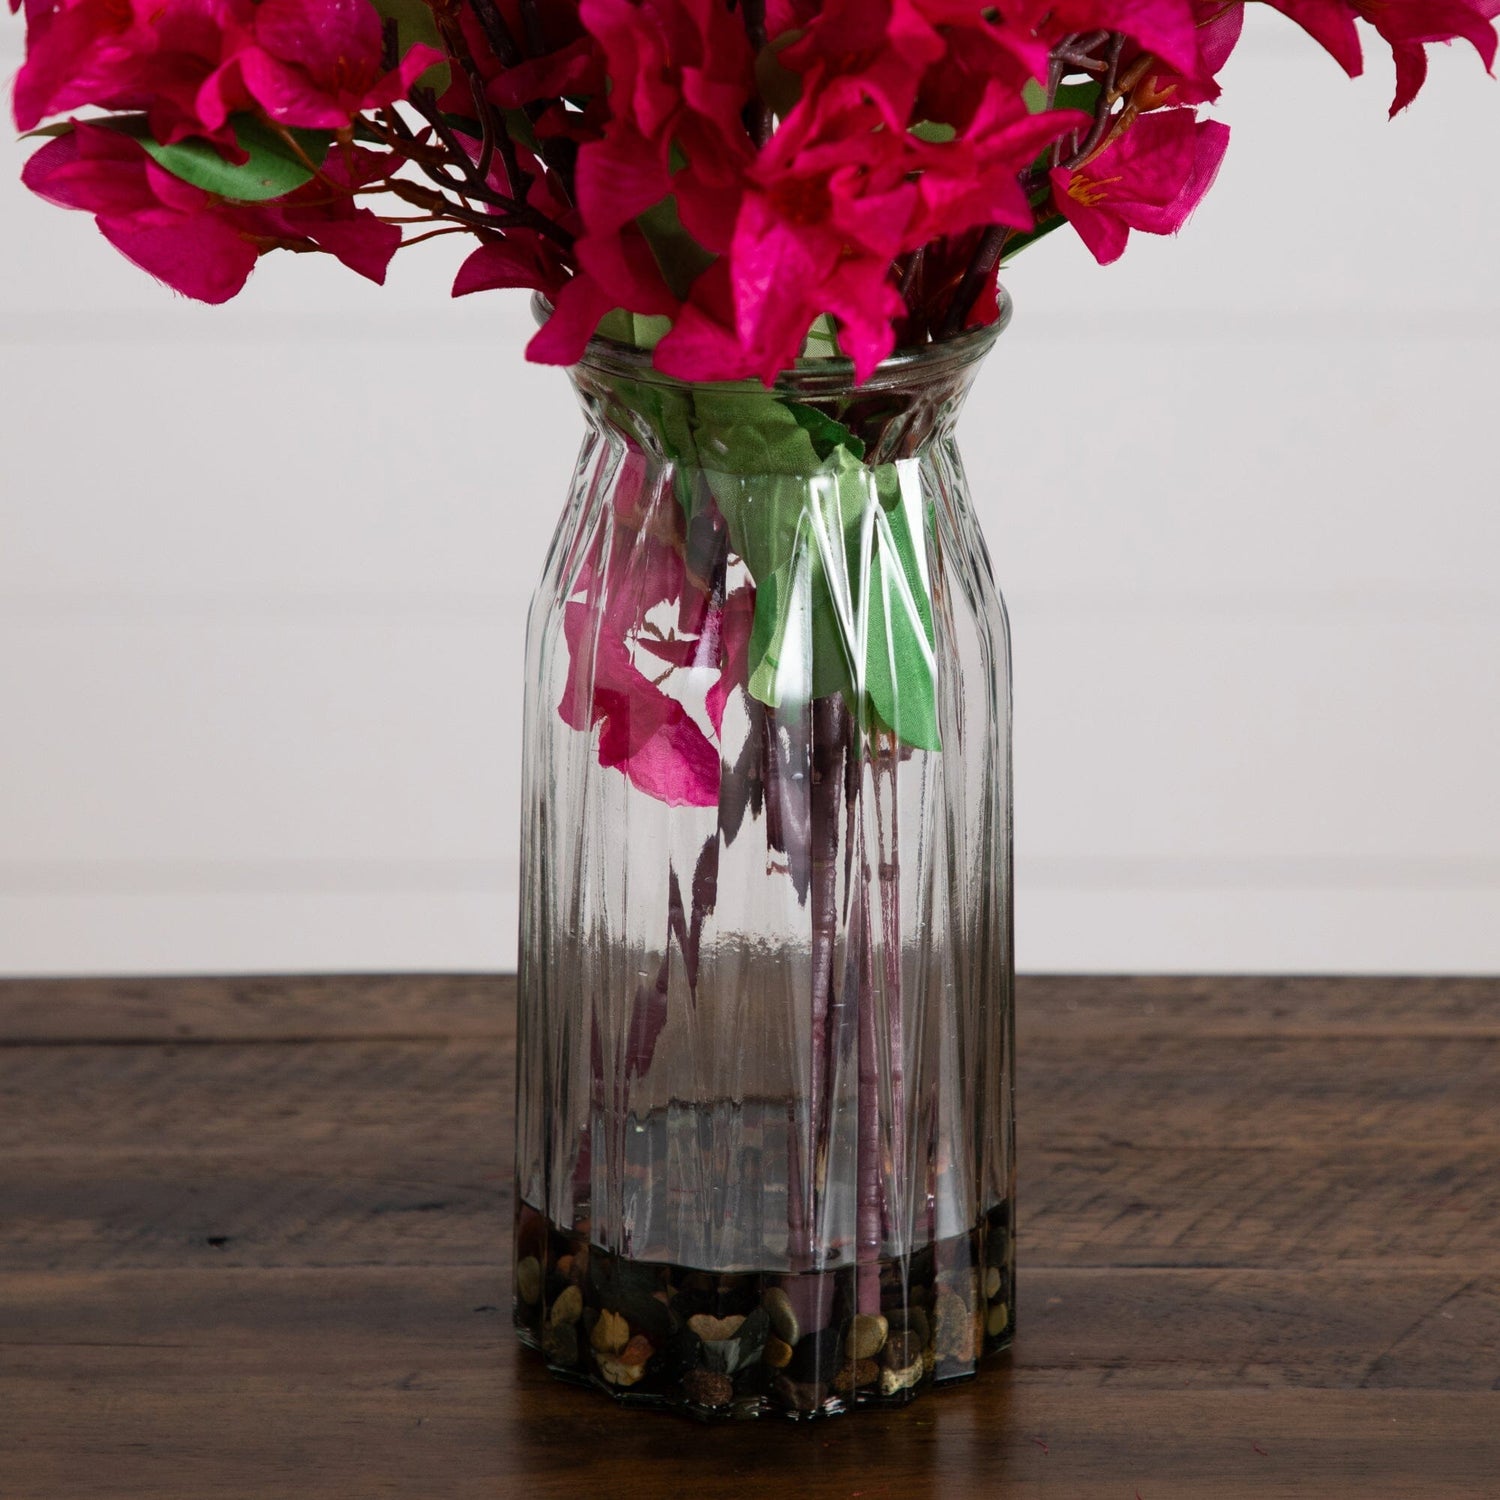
column 1408, row 25
column 192, row 63
column 196, row 243
column 1151, row 177
column 832, row 200
column 312, row 63
column 643, row 731
column 680, row 75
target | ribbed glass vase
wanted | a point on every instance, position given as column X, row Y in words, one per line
column 765, row 1150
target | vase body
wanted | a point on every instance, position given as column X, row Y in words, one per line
column 765, row 1152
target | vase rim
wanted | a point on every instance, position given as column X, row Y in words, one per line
column 810, row 376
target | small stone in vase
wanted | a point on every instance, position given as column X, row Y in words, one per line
column 560, row 1344
column 714, row 1330
column 529, row 1279
column 797, row 1394
column 707, row 1388
column 782, row 1314
column 568, row 1308
column 992, row 1283
column 901, row 1350
column 778, row 1353
column 998, row 1318
column 866, row 1336
column 611, row 1333
column 860, row 1373
column 894, row 1381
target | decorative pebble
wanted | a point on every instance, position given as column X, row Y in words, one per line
column 964, row 1284
column 799, row 1395
column 712, row 1330
column 778, row 1353
column 953, row 1327
column 901, row 1349
column 611, row 1333
column 861, row 1372
column 707, row 1388
column 866, row 1336
column 783, row 1316
column 912, row 1320
column 998, row 1318
column 529, row 1279
column 560, row 1344
column 892, row 1382
column 630, row 1364
column 992, row 1283
column 816, row 1356
column 568, row 1308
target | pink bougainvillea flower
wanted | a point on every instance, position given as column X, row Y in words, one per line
column 681, row 74
column 832, row 199
column 177, row 232
column 643, row 731
column 1219, row 28
column 1151, row 177
column 973, row 179
column 1407, row 25
column 126, row 54
column 196, row 243
column 192, row 63
column 311, row 63
column 1167, row 28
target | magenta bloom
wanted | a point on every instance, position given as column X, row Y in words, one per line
column 180, row 234
column 833, row 198
column 192, row 63
column 1152, row 177
column 681, row 75
column 196, row 243
column 644, row 732
column 1407, row 25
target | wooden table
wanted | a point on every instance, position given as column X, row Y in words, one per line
column 253, row 1243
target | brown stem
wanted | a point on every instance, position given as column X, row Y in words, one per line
column 497, row 32
column 889, row 855
column 758, row 119
column 867, row 1168
column 1104, row 108
column 986, row 263
column 830, row 733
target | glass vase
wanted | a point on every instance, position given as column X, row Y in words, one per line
column 765, row 1121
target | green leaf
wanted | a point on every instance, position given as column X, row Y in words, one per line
column 681, row 258
column 826, row 434
column 273, row 170
column 900, row 667
column 936, row 132
column 416, row 23
column 1084, row 96
column 639, row 330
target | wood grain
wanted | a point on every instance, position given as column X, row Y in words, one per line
column 253, row 1243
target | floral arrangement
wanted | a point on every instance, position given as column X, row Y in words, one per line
column 753, row 589
column 711, row 178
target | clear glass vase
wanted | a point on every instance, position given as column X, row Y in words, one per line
column 765, row 1131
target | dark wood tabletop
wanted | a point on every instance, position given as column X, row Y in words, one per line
column 254, row 1242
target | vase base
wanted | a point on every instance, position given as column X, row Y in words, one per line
column 740, row 1345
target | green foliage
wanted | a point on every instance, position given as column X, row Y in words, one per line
column 833, row 544
column 275, row 166
column 415, row 23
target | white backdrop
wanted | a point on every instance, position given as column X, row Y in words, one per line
column 264, row 570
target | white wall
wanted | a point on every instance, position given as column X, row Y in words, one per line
column 263, row 573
